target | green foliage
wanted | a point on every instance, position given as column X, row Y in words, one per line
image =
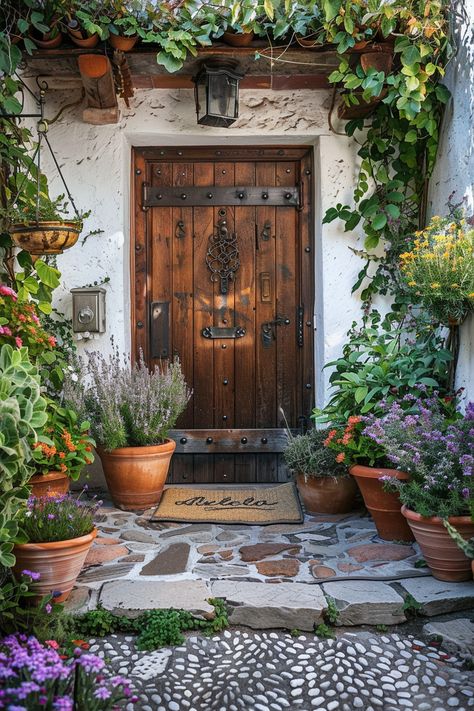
column 331, row 614
column 411, row 607
column 22, row 415
column 381, row 628
column 324, row 632
column 306, row 454
column 154, row 628
column 467, row 547
column 295, row 632
column 381, row 362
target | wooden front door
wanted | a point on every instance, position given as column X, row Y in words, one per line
column 222, row 271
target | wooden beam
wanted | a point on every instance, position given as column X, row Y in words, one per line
column 98, row 81
column 276, row 82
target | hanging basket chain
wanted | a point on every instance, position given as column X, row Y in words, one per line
column 61, row 176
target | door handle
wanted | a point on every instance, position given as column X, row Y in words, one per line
column 268, row 329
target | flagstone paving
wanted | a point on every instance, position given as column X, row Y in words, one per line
column 267, row 574
column 273, row 671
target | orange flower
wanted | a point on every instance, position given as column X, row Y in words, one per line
column 330, row 437
column 62, row 455
column 62, row 468
column 340, row 457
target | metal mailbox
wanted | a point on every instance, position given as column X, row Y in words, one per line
column 88, row 309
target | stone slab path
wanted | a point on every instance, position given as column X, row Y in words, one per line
column 271, row 576
column 272, row 671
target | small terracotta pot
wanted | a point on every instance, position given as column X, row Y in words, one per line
column 383, row 506
column 86, row 42
column 445, row 559
column 310, row 43
column 136, row 476
column 124, row 43
column 50, row 484
column 46, row 42
column 380, row 61
column 58, row 563
column 238, row 39
column 327, row 494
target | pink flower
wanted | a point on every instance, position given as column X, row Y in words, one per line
column 35, row 319
column 18, row 342
column 5, row 331
column 6, row 291
column 51, row 341
column 52, row 643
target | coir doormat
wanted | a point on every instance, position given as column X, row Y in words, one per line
column 278, row 504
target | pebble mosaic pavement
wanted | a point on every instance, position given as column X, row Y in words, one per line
column 272, row 671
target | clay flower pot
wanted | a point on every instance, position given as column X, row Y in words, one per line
column 50, row 484
column 124, row 43
column 238, row 39
column 384, row 506
column 50, row 40
column 136, row 476
column 327, row 494
column 444, row 557
column 45, row 237
column 380, row 61
column 58, row 564
column 85, row 42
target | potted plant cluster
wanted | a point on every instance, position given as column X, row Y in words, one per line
column 323, row 482
column 56, row 534
column 437, row 451
column 61, row 451
column 368, row 465
column 131, row 410
column 439, row 268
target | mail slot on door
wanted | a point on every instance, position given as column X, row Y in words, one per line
column 88, row 309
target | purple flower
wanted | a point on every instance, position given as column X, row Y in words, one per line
column 63, row 703
column 102, row 693
column 48, row 608
column 31, row 574
column 51, row 517
column 90, row 662
column 466, row 492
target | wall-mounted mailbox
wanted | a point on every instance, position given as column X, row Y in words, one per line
column 88, row 309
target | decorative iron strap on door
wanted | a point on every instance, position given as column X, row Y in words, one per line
column 216, row 195
column 223, row 263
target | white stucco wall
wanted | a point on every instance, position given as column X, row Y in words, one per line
column 454, row 171
column 96, row 164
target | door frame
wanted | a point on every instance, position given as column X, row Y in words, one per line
column 139, row 258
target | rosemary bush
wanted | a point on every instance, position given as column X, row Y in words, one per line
column 306, row 454
column 128, row 405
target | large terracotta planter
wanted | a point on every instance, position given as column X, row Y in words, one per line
column 327, row 494
column 444, row 557
column 50, row 484
column 136, row 476
column 58, row 563
column 384, row 506
column 48, row 237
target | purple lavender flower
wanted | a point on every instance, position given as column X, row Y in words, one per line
column 31, row 574
column 90, row 662
column 102, row 693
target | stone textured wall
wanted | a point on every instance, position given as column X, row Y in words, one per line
column 454, row 170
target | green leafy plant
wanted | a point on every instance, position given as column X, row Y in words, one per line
column 381, row 628
column 324, row 632
column 306, row 454
column 411, row 607
column 22, row 415
column 331, row 613
column 57, row 518
column 381, row 362
column 63, row 444
column 467, row 547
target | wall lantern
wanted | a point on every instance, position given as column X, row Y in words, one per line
column 217, row 93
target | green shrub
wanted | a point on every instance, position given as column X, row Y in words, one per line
column 306, row 454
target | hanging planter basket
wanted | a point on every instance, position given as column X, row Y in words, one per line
column 47, row 237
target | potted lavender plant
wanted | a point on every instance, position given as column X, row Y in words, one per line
column 131, row 410
column 58, row 530
column 436, row 449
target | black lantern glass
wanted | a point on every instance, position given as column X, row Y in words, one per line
column 217, row 93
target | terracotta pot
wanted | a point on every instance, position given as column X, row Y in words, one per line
column 50, row 484
column 124, row 43
column 380, row 61
column 383, row 506
column 136, row 475
column 310, row 42
column 362, row 109
column 327, row 494
column 238, row 39
column 46, row 41
column 58, row 563
column 86, row 42
column 46, row 237
column 444, row 557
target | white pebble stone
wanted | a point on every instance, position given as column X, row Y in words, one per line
column 453, row 701
column 296, row 692
column 440, row 681
column 317, row 701
column 358, row 703
column 296, row 682
column 173, row 706
column 332, row 705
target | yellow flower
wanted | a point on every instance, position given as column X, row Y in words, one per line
column 471, row 295
column 455, row 286
column 435, row 285
column 412, row 283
